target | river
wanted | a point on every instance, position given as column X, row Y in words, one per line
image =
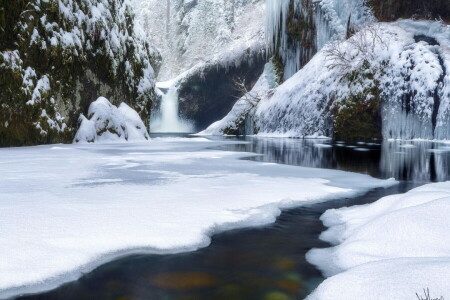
column 267, row 262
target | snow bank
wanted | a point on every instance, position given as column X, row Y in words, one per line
column 401, row 278
column 66, row 209
column 107, row 123
column 390, row 249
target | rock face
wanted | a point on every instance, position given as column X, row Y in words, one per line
column 391, row 10
column 238, row 121
column 383, row 80
column 297, row 29
column 57, row 57
column 209, row 94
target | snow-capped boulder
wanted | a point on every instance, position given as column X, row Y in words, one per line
column 107, row 123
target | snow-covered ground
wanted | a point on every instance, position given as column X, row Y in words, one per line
column 65, row 209
column 391, row 249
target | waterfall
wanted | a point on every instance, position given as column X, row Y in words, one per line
column 167, row 120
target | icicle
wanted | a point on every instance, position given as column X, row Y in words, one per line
column 330, row 17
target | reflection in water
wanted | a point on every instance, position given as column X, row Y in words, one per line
column 262, row 263
column 417, row 161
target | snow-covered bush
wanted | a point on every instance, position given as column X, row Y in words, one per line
column 57, row 56
column 107, row 123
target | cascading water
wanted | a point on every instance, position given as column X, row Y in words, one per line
column 168, row 119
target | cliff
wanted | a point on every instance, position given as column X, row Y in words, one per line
column 57, row 57
column 347, row 75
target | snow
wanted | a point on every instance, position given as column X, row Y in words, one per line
column 407, row 73
column 65, row 209
column 392, row 279
column 196, row 32
column 42, row 86
column 107, row 123
column 390, row 249
column 11, row 60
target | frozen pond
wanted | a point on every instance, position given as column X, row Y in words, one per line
column 247, row 263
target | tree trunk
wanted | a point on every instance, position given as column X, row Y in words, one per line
column 168, row 19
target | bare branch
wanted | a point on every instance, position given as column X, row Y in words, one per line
column 251, row 97
column 357, row 50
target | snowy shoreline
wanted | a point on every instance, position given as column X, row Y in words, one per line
column 164, row 196
column 391, row 249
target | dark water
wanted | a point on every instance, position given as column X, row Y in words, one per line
column 262, row 263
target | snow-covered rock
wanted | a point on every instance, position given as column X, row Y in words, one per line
column 390, row 249
column 389, row 79
column 107, row 123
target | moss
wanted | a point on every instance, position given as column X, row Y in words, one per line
column 358, row 118
column 301, row 25
column 359, row 115
column 279, row 68
column 10, row 11
column 236, row 129
column 301, row 32
column 77, row 75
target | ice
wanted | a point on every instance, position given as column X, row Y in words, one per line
column 400, row 243
column 331, row 20
column 323, row 146
column 65, row 209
